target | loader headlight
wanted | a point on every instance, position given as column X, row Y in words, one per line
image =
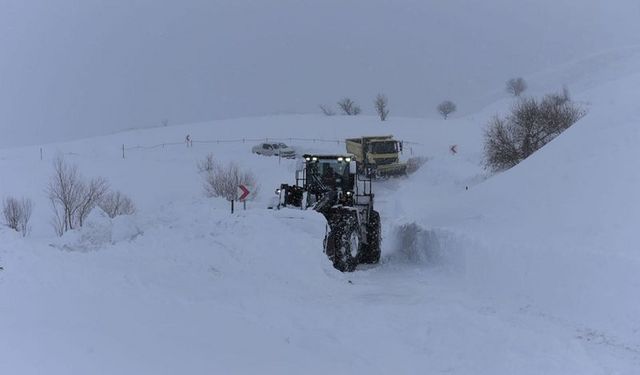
column 347, row 159
column 349, row 193
column 278, row 191
column 340, row 158
column 307, row 158
column 315, row 158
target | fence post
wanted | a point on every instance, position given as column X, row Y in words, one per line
column 123, row 150
column 40, row 153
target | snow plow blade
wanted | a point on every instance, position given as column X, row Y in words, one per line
column 393, row 170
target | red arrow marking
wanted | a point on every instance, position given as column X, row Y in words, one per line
column 245, row 193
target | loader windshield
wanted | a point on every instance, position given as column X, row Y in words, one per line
column 332, row 166
column 329, row 174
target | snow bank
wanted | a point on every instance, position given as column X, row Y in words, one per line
column 559, row 231
column 98, row 232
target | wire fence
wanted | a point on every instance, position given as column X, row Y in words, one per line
column 124, row 148
column 244, row 140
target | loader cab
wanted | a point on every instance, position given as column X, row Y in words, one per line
column 324, row 173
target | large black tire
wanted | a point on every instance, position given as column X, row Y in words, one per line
column 342, row 244
column 371, row 251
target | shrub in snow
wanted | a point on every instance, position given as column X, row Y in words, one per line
column 349, row 107
column 116, row 204
column 72, row 198
column 530, row 125
column 446, row 108
column 223, row 181
column 17, row 214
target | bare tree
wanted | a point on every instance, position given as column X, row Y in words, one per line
column 328, row 111
column 17, row 214
column 223, row 181
column 446, row 108
column 381, row 104
column 65, row 191
column 516, row 86
column 531, row 125
column 72, row 199
column 116, row 203
column 349, row 107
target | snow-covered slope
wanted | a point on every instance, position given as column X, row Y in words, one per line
column 558, row 233
column 531, row 271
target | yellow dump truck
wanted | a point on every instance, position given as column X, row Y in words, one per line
column 377, row 156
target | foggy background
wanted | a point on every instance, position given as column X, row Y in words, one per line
column 73, row 68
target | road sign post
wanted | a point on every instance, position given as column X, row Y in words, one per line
column 243, row 193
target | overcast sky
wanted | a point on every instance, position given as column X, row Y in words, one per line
column 72, row 68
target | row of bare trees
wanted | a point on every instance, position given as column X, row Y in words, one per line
column 348, row 107
column 514, row 86
column 72, row 199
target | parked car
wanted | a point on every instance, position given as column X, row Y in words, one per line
column 274, row 149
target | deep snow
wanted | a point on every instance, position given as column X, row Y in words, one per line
column 531, row 271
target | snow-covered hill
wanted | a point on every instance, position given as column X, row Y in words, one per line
column 531, row 271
